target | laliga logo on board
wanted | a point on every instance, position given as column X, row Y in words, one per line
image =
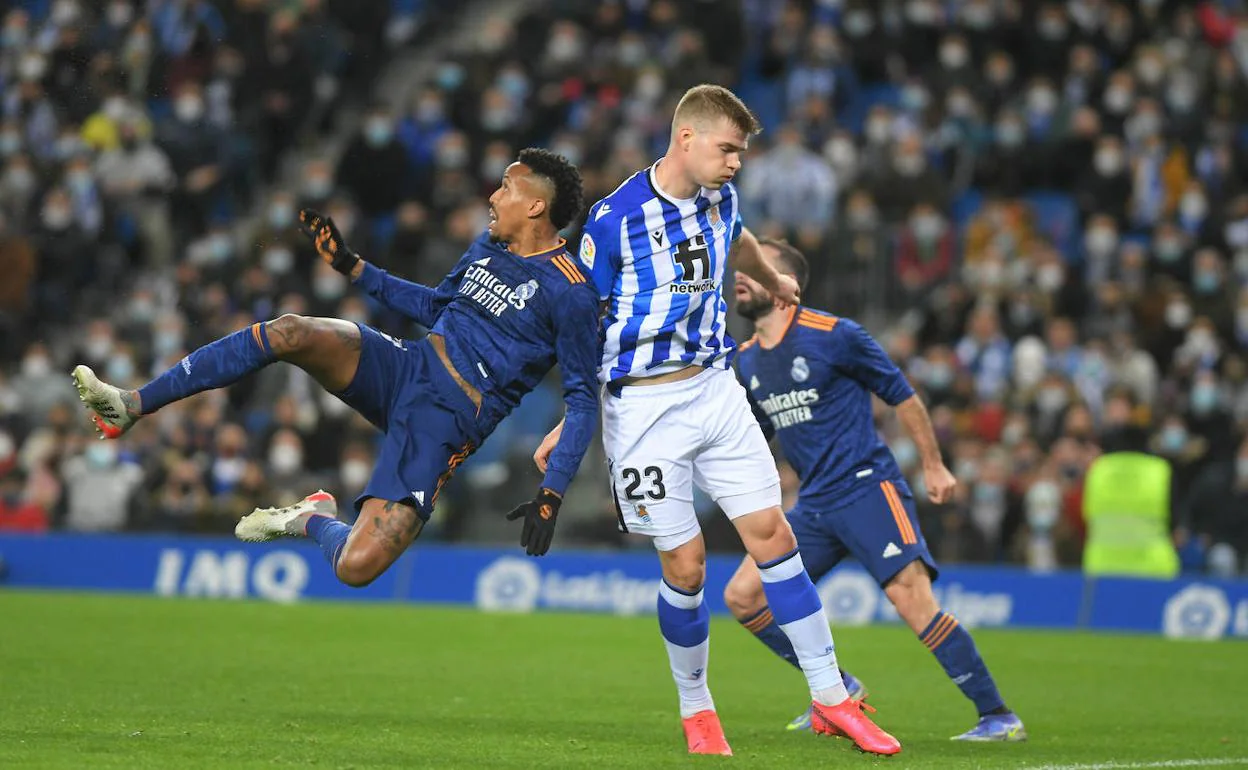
column 850, row 598
column 512, row 584
column 1196, row 612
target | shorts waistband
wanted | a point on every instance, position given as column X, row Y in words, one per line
column 664, row 388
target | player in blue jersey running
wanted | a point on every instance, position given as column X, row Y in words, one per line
column 515, row 304
column 810, row 377
column 675, row 417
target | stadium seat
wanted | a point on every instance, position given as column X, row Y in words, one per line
column 1057, row 217
column 966, row 206
column 1126, row 504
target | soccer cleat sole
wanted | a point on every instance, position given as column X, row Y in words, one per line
column 84, row 379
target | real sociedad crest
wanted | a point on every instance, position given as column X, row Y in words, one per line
column 801, row 370
column 717, row 222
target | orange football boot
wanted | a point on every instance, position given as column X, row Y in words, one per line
column 849, row 719
column 705, row 735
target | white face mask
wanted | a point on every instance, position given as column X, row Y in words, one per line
column 1051, row 399
column 355, row 473
column 1043, row 506
column 1178, row 315
column 1118, row 100
column 1049, row 278
column 879, row 130
column 953, row 55
column 285, row 458
column 328, row 287
column 36, row 366
column 1101, row 241
column 278, row 260
column 1108, row 161
column 101, row 454
column 188, row 108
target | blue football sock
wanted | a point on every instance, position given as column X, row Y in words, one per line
column 215, row 365
column 954, row 648
column 685, row 623
column 799, row 615
column 763, row 625
column 330, row 535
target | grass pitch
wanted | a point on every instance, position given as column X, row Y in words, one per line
column 96, row 681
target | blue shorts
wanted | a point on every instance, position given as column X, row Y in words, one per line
column 429, row 423
column 879, row 528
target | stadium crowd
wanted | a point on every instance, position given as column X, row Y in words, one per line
column 1040, row 208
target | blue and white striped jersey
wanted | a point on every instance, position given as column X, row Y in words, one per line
column 659, row 263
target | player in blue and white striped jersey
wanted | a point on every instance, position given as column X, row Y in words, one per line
column 673, row 415
column 659, row 262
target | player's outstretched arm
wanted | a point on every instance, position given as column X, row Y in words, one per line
column 416, row 301
column 576, row 349
column 862, row 358
column 747, row 256
column 937, row 478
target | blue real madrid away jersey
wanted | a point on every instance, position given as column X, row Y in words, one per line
column 659, row 262
column 813, row 391
column 507, row 319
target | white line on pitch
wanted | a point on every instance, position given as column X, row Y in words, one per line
column 1211, row 762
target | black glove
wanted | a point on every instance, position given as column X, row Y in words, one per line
column 324, row 234
column 539, row 521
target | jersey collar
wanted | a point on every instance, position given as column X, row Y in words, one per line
column 654, row 186
column 554, row 251
column 788, row 324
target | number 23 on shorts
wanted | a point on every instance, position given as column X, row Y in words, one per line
column 643, row 484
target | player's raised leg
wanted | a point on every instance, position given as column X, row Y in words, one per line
column 358, row 554
column 327, row 348
column 685, row 623
column 798, row 611
column 910, row 591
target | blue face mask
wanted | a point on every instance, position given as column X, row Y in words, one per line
column 940, row 376
column 1206, row 282
column 377, row 132
column 281, row 215
column 450, row 77
column 1173, row 439
column 1204, row 398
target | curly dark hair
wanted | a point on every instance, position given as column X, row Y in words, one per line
column 564, row 177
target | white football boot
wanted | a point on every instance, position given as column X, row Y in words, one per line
column 292, row 521
column 112, row 408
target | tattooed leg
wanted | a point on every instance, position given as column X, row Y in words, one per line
column 381, row 534
column 326, row 348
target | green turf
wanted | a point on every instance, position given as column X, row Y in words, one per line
column 132, row 682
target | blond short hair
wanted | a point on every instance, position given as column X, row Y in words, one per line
column 708, row 102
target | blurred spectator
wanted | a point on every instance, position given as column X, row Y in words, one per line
column 1042, row 207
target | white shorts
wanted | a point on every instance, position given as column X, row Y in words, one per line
column 660, row 440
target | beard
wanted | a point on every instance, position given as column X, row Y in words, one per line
column 755, row 307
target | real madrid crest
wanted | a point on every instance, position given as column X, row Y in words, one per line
column 801, row 370
column 524, row 293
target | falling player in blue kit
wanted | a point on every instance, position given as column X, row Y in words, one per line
column 810, row 377
column 514, row 305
